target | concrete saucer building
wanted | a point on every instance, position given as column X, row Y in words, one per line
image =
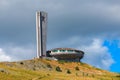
column 67, row 54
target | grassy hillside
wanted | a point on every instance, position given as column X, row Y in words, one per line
column 44, row 69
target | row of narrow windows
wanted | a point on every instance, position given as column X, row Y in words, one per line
column 63, row 51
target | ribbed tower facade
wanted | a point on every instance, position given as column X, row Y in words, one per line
column 41, row 33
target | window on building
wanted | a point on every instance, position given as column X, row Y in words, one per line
column 55, row 51
column 62, row 50
column 69, row 50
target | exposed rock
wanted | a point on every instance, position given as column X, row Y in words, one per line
column 2, row 70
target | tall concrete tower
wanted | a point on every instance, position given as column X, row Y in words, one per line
column 41, row 33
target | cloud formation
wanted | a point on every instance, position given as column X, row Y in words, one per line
column 97, row 55
column 66, row 18
column 15, row 53
column 4, row 56
column 83, row 24
column 20, row 53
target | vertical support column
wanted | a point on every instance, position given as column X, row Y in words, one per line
column 41, row 26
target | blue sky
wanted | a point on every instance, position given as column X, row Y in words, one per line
column 114, row 49
column 89, row 25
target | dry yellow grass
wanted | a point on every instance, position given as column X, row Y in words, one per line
column 43, row 69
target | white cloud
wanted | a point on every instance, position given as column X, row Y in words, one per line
column 16, row 53
column 97, row 55
column 3, row 56
column 20, row 53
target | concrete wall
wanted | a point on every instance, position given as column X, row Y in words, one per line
column 41, row 33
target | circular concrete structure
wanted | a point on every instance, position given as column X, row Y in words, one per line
column 69, row 54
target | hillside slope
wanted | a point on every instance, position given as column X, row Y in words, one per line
column 44, row 69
